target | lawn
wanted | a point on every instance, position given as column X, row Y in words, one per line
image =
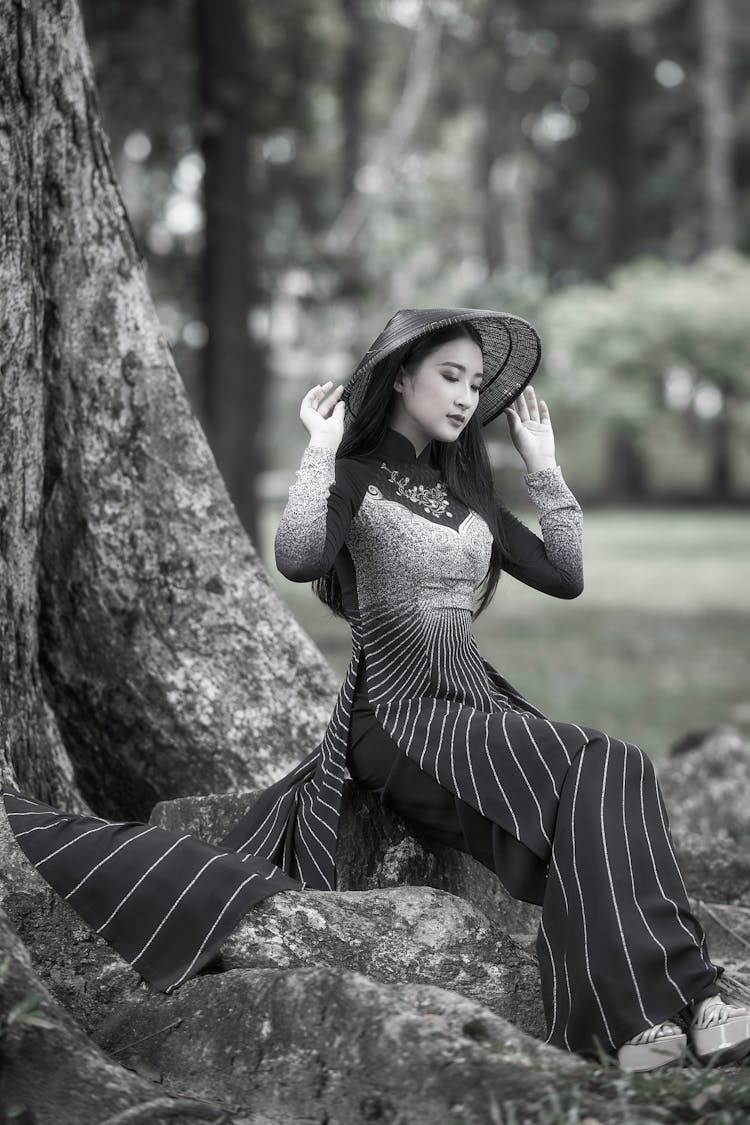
column 656, row 646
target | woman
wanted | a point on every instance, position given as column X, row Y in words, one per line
column 395, row 521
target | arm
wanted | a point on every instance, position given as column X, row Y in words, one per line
column 553, row 564
column 322, row 503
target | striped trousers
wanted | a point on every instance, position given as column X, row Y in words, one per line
column 618, row 946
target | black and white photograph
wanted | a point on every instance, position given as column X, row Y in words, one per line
column 375, row 562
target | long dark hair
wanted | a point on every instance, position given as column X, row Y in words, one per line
column 463, row 464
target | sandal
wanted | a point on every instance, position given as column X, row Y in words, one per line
column 720, row 1031
column 657, row 1046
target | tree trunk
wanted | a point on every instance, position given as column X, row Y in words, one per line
column 721, row 452
column 352, row 77
column 718, row 146
column 235, row 372
column 627, row 474
column 144, row 652
column 619, row 147
column 492, row 140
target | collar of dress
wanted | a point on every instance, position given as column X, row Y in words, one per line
column 396, row 447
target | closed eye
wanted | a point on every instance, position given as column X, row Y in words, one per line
column 453, row 379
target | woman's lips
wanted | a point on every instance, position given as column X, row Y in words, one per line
column 455, row 418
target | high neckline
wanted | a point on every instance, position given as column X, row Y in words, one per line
column 398, row 447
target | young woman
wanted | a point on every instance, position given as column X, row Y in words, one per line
column 394, row 519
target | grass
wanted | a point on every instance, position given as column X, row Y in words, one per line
column 683, row 1095
column 655, row 646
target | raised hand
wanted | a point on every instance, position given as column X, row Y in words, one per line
column 531, row 430
column 324, row 422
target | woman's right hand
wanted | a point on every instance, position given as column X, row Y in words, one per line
column 324, row 423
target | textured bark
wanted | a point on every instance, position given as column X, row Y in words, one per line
column 144, row 653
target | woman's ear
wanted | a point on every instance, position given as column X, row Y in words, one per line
column 398, row 382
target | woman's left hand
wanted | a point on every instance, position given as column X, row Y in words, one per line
column 531, row 430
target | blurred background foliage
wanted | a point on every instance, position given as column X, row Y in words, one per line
column 295, row 172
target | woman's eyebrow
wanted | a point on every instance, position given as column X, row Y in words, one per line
column 460, row 366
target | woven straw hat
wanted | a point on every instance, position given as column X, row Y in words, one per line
column 510, row 346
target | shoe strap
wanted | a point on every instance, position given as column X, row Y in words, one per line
column 653, row 1034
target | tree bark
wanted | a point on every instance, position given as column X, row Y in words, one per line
column 144, row 653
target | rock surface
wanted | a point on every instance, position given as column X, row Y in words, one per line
column 404, row 935
column 332, row 1045
column 706, row 788
column 80, row 1083
column 409, row 994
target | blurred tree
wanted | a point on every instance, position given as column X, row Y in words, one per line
column 356, row 57
column 715, row 37
column 425, row 152
column 659, row 342
column 235, row 367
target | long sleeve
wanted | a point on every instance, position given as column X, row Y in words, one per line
column 322, row 503
column 553, row 564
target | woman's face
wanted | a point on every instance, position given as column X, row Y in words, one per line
column 445, row 385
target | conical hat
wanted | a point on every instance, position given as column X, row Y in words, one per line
column 510, row 345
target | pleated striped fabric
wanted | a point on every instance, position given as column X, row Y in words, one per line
column 581, row 826
column 165, row 901
column 618, row 946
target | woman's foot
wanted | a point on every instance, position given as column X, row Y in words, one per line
column 657, row 1046
column 718, row 1031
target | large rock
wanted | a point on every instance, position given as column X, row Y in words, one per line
column 705, row 786
column 336, row 1006
column 396, row 935
column 331, row 1045
column 53, row 1073
column 716, row 870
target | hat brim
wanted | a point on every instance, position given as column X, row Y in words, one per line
column 510, row 346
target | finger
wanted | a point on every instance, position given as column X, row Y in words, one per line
column 324, row 390
column 319, row 388
column 327, row 408
column 312, row 393
column 532, row 404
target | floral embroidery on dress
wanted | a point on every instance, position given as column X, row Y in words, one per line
column 431, row 498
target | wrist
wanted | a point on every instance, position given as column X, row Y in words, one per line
column 322, row 444
column 537, row 464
